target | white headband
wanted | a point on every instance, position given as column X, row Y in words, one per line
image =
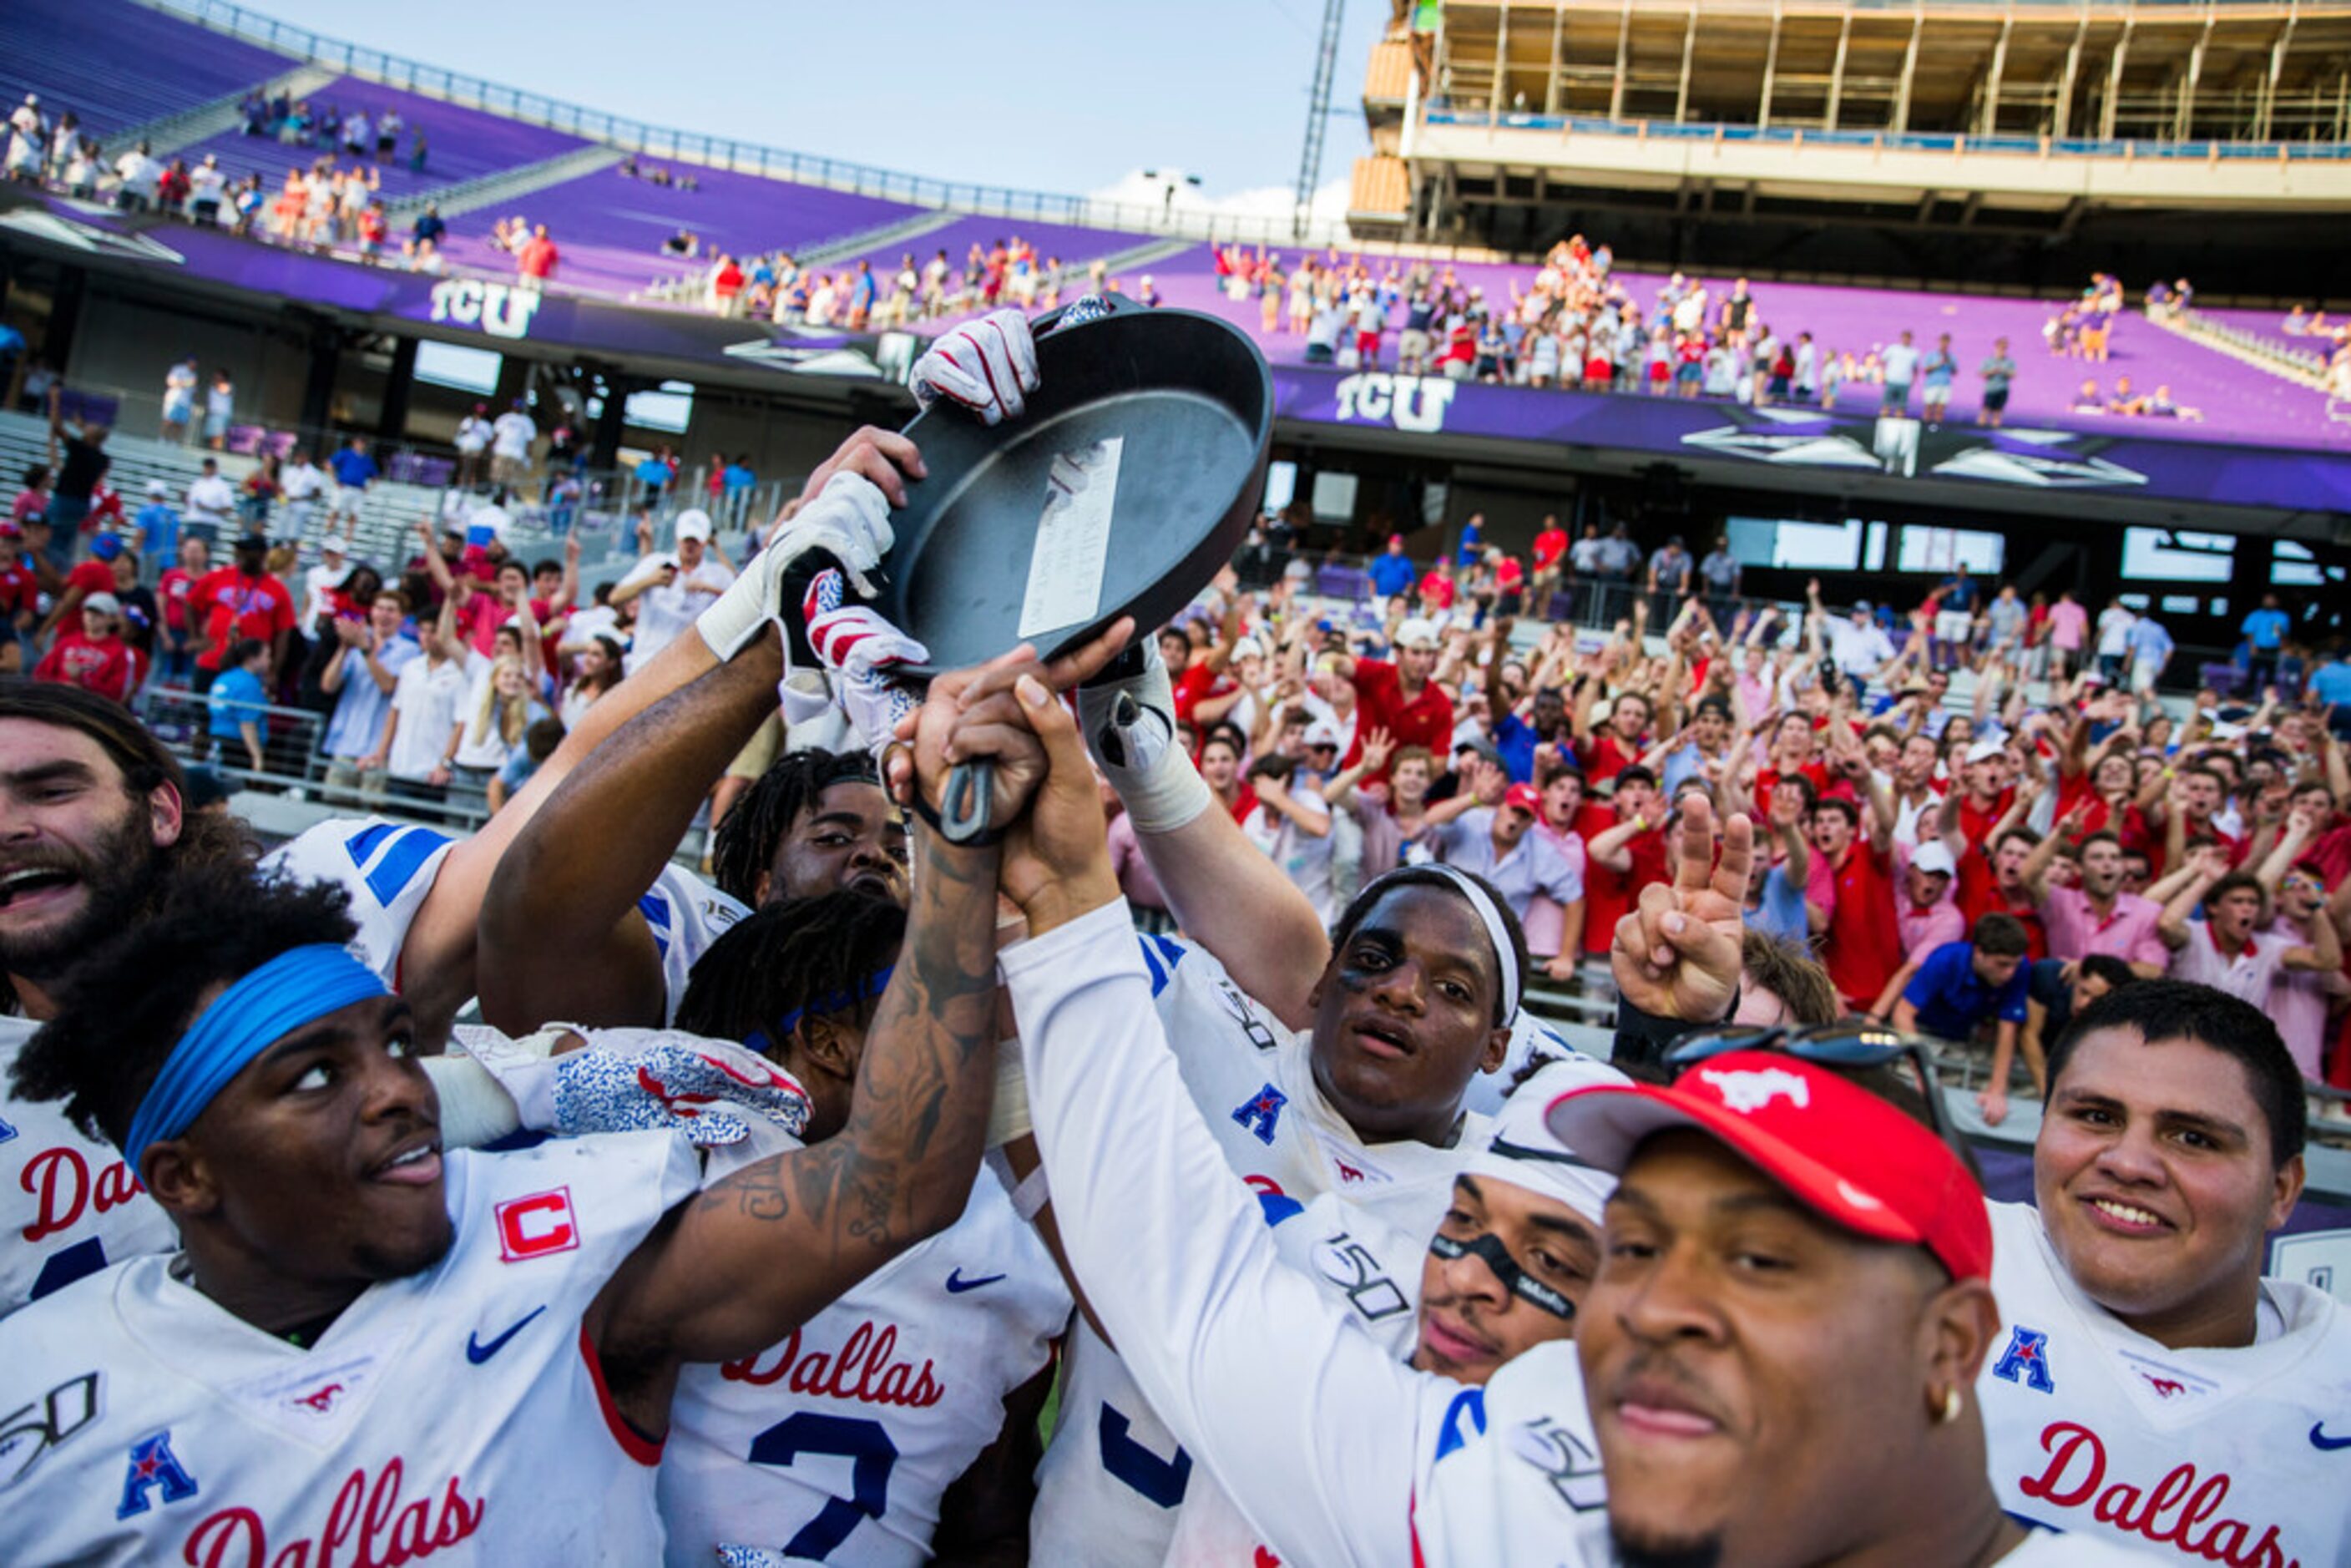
column 1505, row 955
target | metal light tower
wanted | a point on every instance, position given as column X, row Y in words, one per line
column 1318, row 115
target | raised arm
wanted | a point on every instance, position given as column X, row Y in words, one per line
column 761, row 1251
column 2323, row 953
column 2209, row 866
column 1172, row 1249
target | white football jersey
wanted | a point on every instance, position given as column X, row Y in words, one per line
column 2239, row 1455
column 68, row 1205
column 389, row 867
column 839, row 1443
column 1371, row 1269
column 686, row 915
column 459, row 1410
column 1114, row 1475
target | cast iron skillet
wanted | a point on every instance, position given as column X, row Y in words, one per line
column 1188, row 400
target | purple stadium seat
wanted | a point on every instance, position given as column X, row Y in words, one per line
column 609, row 228
column 2240, row 402
column 117, row 64
column 461, row 143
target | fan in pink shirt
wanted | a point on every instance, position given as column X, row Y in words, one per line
column 2098, row 916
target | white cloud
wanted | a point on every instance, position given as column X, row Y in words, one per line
column 1136, row 189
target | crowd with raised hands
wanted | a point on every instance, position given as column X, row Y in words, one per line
column 756, row 1219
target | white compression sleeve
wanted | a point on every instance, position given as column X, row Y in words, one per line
column 1308, row 1425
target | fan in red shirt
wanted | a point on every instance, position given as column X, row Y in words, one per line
column 86, row 581
column 1623, row 850
column 2186, row 811
column 20, row 598
column 92, row 655
column 1992, row 882
column 1400, row 697
column 1549, row 545
column 1609, row 751
column 1437, row 588
column 1796, row 751
column 1987, row 791
column 238, row 602
column 1863, row 945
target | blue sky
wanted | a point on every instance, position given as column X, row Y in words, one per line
column 1063, row 95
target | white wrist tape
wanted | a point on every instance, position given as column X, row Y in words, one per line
column 1008, row 1113
column 1165, row 796
column 475, row 1110
column 734, row 620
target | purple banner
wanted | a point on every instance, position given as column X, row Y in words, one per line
column 1858, row 444
column 501, row 313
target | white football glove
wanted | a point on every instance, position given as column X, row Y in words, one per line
column 988, row 366
column 858, row 649
column 848, row 519
column 1129, row 724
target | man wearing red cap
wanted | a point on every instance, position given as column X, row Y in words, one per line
column 1789, row 1314
column 1494, row 842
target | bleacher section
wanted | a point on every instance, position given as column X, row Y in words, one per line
column 2241, row 401
column 610, row 227
column 1075, row 246
column 461, row 143
column 115, row 64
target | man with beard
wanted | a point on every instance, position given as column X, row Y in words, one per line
column 95, row 826
column 261, row 1392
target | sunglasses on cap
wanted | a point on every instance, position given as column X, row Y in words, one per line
column 1853, row 1045
column 1489, row 1247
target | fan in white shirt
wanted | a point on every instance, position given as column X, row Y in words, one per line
column 2149, row 1384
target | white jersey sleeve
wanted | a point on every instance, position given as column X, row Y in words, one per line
column 1113, row 1474
column 1310, row 1428
column 686, row 914
column 387, row 867
column 460, row 1410
column 68, row 1205
column 1511, row 1472
column 2239, row 1455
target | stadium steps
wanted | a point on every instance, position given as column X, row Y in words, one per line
column 1149, row 254
column 874, row 238
column 386, row 517
column 2244, row 349
column 168, row 134
column 505, row 185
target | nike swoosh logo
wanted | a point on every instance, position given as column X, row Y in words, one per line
column 957, row 1284
column 2319, row 1439
column 478, row 1353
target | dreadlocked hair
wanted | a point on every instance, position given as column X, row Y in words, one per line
column 754, row 827
column 122, row 1009
column 780, row 959
column 205, row 838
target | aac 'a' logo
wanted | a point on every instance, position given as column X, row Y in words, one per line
column 154, row 1466
column 1259, row 1114
column 2026, row 1360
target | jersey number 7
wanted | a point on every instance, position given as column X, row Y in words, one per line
column 863, row 1442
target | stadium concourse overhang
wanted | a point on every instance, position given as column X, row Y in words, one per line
column 1429, row 426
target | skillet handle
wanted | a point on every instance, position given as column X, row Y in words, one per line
column 969, row 801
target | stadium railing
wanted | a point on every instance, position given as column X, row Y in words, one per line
column 1891, row 141
column 743, row 157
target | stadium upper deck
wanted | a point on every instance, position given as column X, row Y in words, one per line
column 2056, row 122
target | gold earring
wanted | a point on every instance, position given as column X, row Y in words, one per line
column 1953, row 1404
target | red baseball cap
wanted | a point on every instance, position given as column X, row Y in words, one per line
column 1840, row 1150
column 1525, row 797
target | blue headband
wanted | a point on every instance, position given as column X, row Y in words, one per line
column 873, row 984
column 299, row 987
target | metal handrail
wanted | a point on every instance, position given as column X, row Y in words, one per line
column 738, row 156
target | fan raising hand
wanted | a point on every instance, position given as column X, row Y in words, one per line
column 1677, row 954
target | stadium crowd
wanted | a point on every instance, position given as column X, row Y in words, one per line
column 1388, row 1272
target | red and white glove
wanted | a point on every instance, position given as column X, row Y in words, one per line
column 848, row 519
column 858, row 649
column 988, row 366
